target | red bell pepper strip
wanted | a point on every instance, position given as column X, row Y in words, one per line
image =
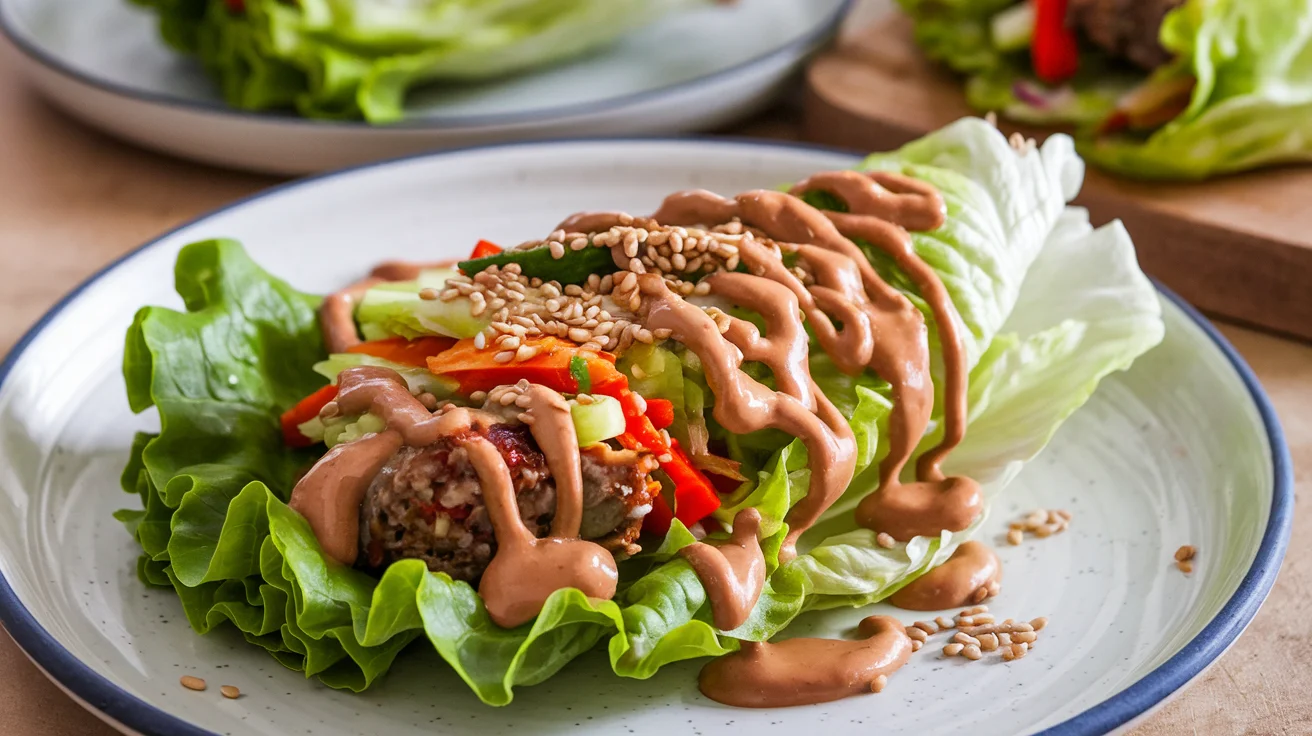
column 1054, row 50
column 236, row 7
column 660, row 412
column 307, row 409
column 484, row 249
column 406, row 352
column 694, row 496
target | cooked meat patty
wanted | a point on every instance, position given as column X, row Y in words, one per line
column 427, row 502
column 1126, row 29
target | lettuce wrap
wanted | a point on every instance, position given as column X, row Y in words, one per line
column 1050, row 306
column 339, row 59
column 1234, row 93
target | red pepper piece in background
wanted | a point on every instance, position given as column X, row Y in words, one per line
column 1054, row 50
column 406, row 352
column 235, row 6
column 660, row 412
column 484, row 249
column 307, row 409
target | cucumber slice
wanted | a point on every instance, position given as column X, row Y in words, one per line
column 600, row 420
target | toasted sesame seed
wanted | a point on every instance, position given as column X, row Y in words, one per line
column 916, row 645
column 665, row 457
column 557, row 249
column 478, row 397
column 953, row 649
column 330, row 410
column 964, row 638
column 230, row 692
column 925, row 626
column 480, row 341
column 878, row 684
column 1185, row 553
column 508, row 342
column 971, row 652
column 526, row 352
column 988, row 642
column 192, row 683
column 504, row 357
column 917, row 634
column 1026, row 637
column 429, row 295
column 1185, row 566
column 885, row 540
column 1039, row 623
column 944, row 622
column 1015, row 537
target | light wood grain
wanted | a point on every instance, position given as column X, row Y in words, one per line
column 72, row 201
column 1239, row 247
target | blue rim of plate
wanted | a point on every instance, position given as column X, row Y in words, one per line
column 1138, row 699
column 40, row 55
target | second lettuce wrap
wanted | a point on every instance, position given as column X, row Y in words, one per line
column 1250, row 103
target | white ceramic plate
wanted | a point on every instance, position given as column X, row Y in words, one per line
column 104, row 62
column 1183, row 448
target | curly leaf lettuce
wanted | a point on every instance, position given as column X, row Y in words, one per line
column 1251, row 106
column 359, row 58
column 214, row 523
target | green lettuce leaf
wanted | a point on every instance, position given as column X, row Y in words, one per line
column 1252, row 105
column 359, row 58
column 1052, row 305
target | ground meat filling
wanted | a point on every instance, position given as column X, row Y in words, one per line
column 426, row 503
column 1126, row 29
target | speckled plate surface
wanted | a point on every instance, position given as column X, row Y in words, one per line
column 104, row 62
column 1183, row 448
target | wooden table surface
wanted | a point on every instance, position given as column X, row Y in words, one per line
column 71, row 200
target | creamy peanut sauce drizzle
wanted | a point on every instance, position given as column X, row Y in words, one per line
column 733, row 572
column 805, row 671
column 525, row 570
column 859, row 320
column 954, row 583
column 881, row 329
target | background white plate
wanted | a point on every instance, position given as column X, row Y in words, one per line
column 104, row 62
column 1183, row 448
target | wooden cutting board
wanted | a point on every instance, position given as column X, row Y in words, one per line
column 1239, row 247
